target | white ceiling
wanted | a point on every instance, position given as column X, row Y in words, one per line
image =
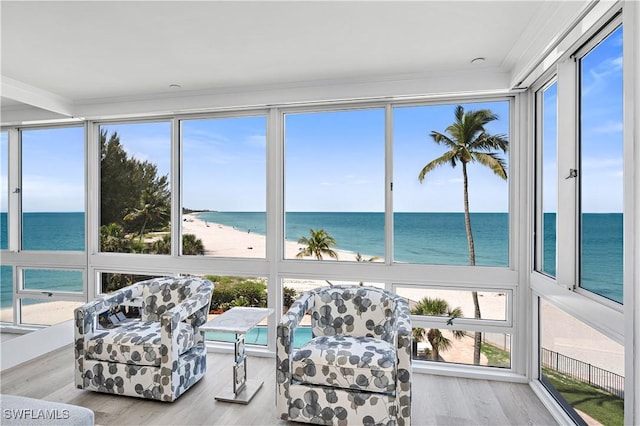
column 59, row 55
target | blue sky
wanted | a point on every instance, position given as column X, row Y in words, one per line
column 334, row 161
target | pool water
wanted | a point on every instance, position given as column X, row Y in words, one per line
column 258, row 336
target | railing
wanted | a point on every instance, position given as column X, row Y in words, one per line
column 584, row 372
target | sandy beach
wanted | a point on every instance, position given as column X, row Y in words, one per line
column 225, row 241
column 46, row 313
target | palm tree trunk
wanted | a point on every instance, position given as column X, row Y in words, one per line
column 477, row 337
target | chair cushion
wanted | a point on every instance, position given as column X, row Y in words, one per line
column 363, row 363
column 136, row 342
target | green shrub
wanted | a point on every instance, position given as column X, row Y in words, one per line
column 289, row 295
column 237, row 291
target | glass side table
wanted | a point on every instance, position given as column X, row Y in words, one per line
column 239, row 320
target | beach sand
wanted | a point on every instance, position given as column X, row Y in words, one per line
column 225, row 241
column 46, row 313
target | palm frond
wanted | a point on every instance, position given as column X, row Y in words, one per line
column 448, row 157
column 492, row 161
column 486, row 142
column 440, row 138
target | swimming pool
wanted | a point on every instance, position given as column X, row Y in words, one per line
column 258, row 336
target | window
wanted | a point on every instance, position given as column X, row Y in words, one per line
column 442, row 320
column 601, row 158
column 583, row 368
column 547, row 100
column 135, row 196
column 224, row 187
column 334, row 185
column 429, row 194
column 38, row 286
column 53, row 190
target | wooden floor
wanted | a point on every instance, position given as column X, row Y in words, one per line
column 437, row 400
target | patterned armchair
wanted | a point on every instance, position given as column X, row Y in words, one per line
column 357, row 367
column 157, row 356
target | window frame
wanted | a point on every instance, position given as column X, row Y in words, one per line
column 20, row 260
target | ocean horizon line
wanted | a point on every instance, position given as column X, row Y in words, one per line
column 192, row 211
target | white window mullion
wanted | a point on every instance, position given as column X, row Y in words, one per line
column 566, row 273
column 14, row 213
column 275, row 248
column 92, row 202
column 388, row 217
column 631, row 209
column 176, row 186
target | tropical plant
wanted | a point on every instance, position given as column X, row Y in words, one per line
column 113, row 239
column 191, row 245
column 162, row 246
column 237, row 291
column 152, row 209
column 318, row 244
column 436, row 307
column 359, row 258
column 289, row 296
column 468, row 142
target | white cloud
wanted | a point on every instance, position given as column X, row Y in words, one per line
column 610, row 126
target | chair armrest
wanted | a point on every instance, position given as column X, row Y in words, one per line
column 291, row 320
column 404, row 340
column 169, row 320
column 86, row 316
column 284, row 345
column 86, row 319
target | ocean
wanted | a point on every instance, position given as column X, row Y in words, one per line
column 426, row 238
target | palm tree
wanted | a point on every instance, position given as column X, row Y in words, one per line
column 469, row 142
column 153, row 209
column 318, row 244
column 436, row 307
column 359, row 258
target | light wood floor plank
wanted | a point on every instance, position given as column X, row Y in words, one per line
column 436, row 400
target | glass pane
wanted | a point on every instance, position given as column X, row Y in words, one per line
column 601, row 159
column 426, row 204
column 456, row 303
column 222, row 159
column 457, row 347
column 4, row 190
column 6, row 293
column 53, row 190
column 229, row 292
column 583, row 368
column 46, row 312
column 53, row 280
column 549, row 168
column 334, row 185
column 135, row 196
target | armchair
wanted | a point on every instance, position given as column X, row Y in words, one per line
column 158, row 356
column 357, row 367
